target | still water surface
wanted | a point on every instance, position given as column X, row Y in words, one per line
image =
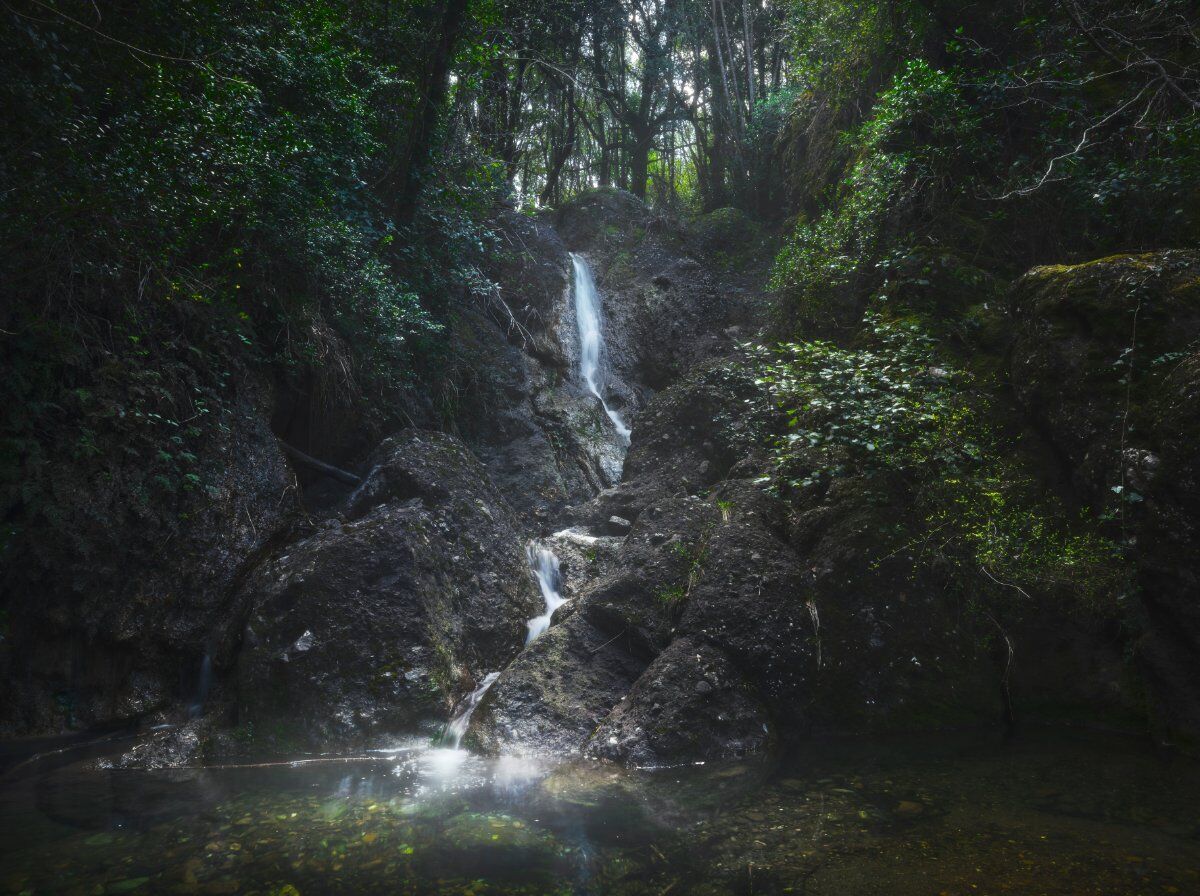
column 1068, row 814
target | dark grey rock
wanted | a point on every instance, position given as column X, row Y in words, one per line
column 110, row 618
column 379, row 626
column 670, row 717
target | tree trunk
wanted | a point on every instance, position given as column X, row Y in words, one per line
column 639, row 165
column 560, row 151
column 425, row 121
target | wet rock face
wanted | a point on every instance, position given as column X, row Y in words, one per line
column 692, row 704
column 555, row 694
column 532, row 269
column 111, row 618
column 687, row 439
column 727, row 620
column 524, row 410
column 749, row 596
column 668, row 304
column 1105, row 360
column 521, row 419
column 545, row 442
column 376, row 624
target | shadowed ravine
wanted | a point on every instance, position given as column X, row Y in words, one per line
column 518, row 792
column 607, row 448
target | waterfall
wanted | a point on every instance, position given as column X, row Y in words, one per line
column 203, row 685
column 545, row 567
column 457, row 729
column 591, row 340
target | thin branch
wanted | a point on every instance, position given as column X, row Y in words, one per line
column 1079, row 147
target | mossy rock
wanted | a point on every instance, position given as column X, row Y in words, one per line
column 1093, row 347
column 1106, row 361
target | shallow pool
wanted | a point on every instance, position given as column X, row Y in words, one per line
column 1041, row 814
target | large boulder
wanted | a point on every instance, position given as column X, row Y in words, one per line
column 556, row 693
column 689, row 438
column 1106, row 360
column 376, row 624
column 691, row 705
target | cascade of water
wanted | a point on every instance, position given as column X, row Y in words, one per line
column 587, row 318
column 457, row 728
column 545, row 568
column 541, row 559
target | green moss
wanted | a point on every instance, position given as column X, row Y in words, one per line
column 672, row 597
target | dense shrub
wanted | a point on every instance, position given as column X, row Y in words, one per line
column 898, row 406
column 905, row 154
column 1018, row 135
column 203, row 195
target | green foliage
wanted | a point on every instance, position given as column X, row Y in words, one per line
column 1035, row 137
column 918, row 128
column 836, row 46
column 199, row 199
column 694, row 556
column 1115, row 148
column 233, row 175
column 887, row 405
column 726, row 508
column 896, row 407
column 673, row 597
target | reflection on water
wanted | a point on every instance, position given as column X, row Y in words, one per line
column 1063, row 816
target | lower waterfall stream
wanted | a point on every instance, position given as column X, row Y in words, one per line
column 456, row 729
column 545, row 567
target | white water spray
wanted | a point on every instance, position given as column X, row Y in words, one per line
column 457, row 729
column 587, row 318
column 545, row 567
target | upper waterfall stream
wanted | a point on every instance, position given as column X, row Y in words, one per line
column 591, row 339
